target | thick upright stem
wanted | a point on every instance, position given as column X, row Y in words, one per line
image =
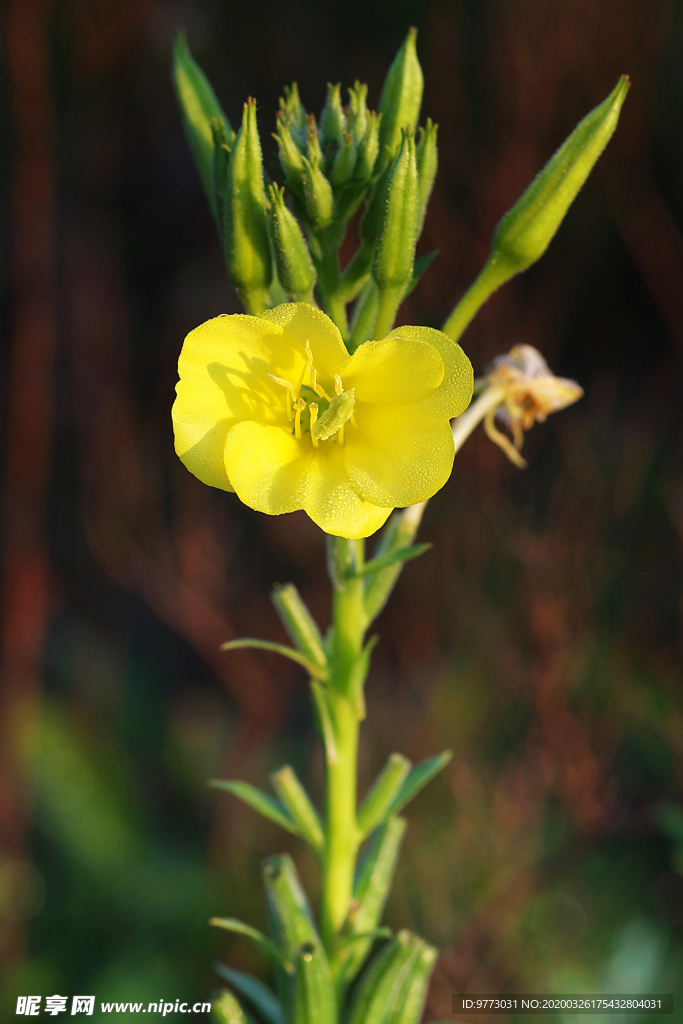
column 341, row 833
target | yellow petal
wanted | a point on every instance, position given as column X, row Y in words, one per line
column 331, row 501
column 272, row 472
column 394, row 370
column 455, row 391
column 267, row 466
column 300, row 323
column 224, row 367
column 399, row 455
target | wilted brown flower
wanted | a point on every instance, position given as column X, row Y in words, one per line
column 529, row 391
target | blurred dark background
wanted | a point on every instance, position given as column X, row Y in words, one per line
column 541, row 638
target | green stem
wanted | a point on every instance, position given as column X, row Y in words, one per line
column 329, row 284
column 341, row 830
column 491, row 278
column 254, row 301
column 389, row 301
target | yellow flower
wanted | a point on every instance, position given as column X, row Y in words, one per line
column 274, row 408
column 529, row 392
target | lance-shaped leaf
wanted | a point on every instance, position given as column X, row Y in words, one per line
column 379, row 800
column 314, row 998
column 422, row 264
column 265, row 805
column 295, row 798
column 258, row 995
column 199, row 108
column 231, row 924
column 313, row 669
column 372, row 883
column 418, row 778
column 410, row 999
column 526, row 230
column 300, row 624
column 225, row 1009
column 398, row 534
column 381, row 986
column 391, row 558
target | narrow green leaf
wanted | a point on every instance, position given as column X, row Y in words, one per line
column 399, row 532
column 258, row 995
column 418, row 778
column 260, row 802
column 287, row 652
column 375, row 807
column 231, row 924
column 296, row 800
column 422, row 263
column 374, row 875
column 391, row 558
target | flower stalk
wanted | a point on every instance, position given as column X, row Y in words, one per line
column 310, row 405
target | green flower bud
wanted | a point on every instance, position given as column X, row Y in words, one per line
column 313, row 150
column 427, row 159
column 292, row 259
column 395, row 251
column 401, row 98
column 222, row 141
column 345, row 162
column 318, row 198
column 392, row 265
column 368, row 147
column 525, row 231
column 357, row 111
column 198, row 107
column 291, row 159
column 373, row 217
column 294, row 113
column 332, row 122
column 245, row 238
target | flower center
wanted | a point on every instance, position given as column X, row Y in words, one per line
column 311, row 410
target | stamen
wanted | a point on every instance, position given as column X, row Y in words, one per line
column 290, row 393
column 299, row 406
column 495, row 435
column 308, row 367
column 313, row 410
column 338, row 386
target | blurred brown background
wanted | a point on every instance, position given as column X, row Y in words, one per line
column 541, row 639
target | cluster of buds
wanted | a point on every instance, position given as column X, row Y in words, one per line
column 283, row 244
